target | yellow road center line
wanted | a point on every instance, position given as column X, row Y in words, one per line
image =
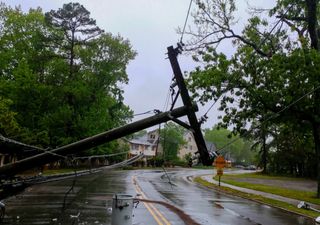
column 138, row 189
column 160, row 214
column 155, row 209
column 152, row 213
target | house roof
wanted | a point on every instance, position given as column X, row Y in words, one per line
column 141, row 141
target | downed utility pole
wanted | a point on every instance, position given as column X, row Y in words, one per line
column 99, row 139
column 205, row 157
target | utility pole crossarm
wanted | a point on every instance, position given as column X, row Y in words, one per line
column 195, row 125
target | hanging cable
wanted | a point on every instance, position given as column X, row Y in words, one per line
column 205, row 116
column 166, row 104
column 100, row 156
column 144, row 113
column 185, row 22
column 165, row 107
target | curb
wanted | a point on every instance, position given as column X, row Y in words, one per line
column 215, row 187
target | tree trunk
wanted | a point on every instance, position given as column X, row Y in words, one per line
column 71, row 54
column 316, row 137
column 311, row 15
column 312, row 22
column 264, row 155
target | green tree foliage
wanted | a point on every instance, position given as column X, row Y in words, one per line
column 292, row 151
column 239, row 151
column 171, row 138
column 8, row 124
column 60, row 76
column 271, row 80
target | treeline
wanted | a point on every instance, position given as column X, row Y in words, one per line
column 60, row 76
column 239, row 150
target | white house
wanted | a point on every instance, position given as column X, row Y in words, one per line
column 147, row 144
column 190, row 147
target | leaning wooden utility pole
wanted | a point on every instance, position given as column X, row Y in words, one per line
column 194, row 124
column 76, row 147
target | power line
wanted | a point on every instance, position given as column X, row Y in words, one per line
column 143, row 113
column 185, row 22
column 99, row 156
column 205, row 115
column 154, row 111
column 273, row 28
column 166, row 104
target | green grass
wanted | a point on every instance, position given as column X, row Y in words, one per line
column 260, row 175
column 258, row 198
column 203, row 167
column 289, row 193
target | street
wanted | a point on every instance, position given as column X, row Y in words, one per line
column 90, row 200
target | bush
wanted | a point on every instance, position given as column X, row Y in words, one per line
column 179, row 162
column 129, row 167
column 158, row 162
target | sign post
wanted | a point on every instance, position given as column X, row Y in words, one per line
column 219, row 163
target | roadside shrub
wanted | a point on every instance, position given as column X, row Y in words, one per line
column 157, row 162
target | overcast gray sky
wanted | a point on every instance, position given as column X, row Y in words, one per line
column 150, row 25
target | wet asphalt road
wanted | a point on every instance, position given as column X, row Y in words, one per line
column 91, row 197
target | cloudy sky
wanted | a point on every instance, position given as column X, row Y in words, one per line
column 150, row 25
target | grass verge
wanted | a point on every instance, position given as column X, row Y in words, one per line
column 258, row 198
column 285, row 192
column 260, row 175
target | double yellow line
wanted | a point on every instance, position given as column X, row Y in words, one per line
column 156, row 214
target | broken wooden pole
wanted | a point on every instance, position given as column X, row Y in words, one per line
column 194, row 124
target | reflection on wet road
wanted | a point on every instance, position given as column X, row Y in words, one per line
column 91, row 198
column 43, row 204
column 209, row 207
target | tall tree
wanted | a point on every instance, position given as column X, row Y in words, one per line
column 78, row 28
column 273, row 75
column 50, row 107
